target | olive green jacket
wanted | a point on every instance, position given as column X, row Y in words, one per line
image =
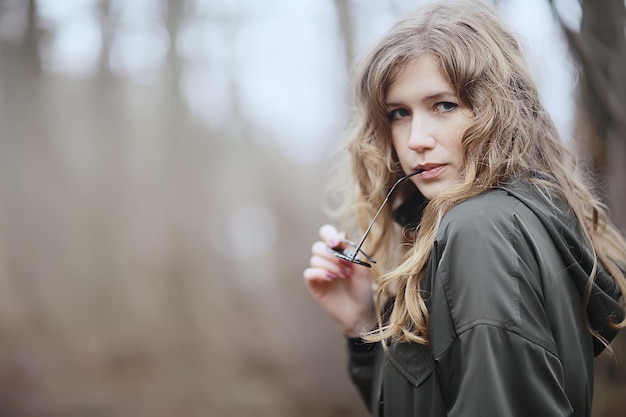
column 508, row 333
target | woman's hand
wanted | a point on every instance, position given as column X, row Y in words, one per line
column 343, row 289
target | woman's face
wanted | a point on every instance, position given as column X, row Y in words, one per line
column 427, row 123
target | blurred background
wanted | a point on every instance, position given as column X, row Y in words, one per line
column 162, row 171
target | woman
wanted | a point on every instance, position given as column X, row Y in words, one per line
column 503, row 273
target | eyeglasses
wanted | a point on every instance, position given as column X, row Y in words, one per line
column 351, row 255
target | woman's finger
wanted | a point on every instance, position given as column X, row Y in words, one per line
column 318, row 274
column 322, row 249
column 331, row 265
column 330, row 235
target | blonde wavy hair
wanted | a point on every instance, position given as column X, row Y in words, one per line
column 511, row 136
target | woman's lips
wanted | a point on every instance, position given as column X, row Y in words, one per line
column 431, row 172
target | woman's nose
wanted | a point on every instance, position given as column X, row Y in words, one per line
column 422, row 136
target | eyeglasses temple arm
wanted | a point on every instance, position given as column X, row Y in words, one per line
column 369, row 228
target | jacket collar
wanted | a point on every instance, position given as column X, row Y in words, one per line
column 409, row 213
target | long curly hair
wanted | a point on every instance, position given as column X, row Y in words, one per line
column 511, row 135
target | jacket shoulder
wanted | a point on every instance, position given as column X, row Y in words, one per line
column 491, row 209
column 486, row 271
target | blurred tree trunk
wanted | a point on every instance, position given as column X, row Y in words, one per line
column 21, row 99
column 346, row 31
column 345, row 23
column 600, row 49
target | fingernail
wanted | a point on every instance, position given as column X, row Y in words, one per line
column 347, row 272
column 331, row 275
column 345, row 263
column 334, row 243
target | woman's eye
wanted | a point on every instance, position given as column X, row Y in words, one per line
column 445, row 106
column 398, row 114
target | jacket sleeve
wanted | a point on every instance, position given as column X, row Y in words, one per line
column 361, row 365
column 493, row 347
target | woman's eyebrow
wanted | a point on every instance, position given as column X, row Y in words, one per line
column 442, row 95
